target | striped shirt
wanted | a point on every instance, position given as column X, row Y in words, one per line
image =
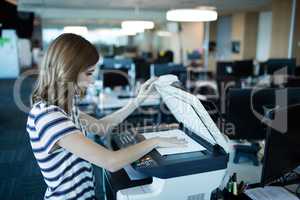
column 66, row 175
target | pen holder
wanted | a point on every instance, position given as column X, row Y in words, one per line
column 229, row 196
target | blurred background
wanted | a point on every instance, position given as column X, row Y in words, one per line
column 221, row 56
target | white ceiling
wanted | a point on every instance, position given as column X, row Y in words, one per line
column 104, row 11
column 223, row 5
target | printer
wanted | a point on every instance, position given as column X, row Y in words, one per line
column 191, row 173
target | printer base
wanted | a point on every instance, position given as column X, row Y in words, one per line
column 196, row 186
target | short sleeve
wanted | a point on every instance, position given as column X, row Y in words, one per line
column 51, row 124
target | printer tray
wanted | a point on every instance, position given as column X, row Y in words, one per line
column 119, row 180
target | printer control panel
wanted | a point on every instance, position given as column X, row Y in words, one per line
column 127, row 139
column 124, row 140
column 145, row 162
column 167, row 166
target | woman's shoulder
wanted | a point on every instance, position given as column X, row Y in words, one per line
column 42, row 107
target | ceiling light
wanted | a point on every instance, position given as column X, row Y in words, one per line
column 203, row 14
column 126, row 32
column 138, row 23
column 164, row 33
column 79, row 30
column 102, row 32
column 133, row 29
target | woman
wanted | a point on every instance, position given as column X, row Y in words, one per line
column 57, row 136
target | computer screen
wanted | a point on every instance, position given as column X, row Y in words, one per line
column 116, row 72
column 237, row 69
column 115, row 77
column 142, row 69
column 224, row 69
column 112, row 63
column 244, row 105
column 274, row 65
column 171, row 68
column 241, row 105
column 282, row 152
column 243, row 68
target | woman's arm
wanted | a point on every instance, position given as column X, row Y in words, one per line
column 113, row 161
column 104, row 125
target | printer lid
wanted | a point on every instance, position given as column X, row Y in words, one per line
column 188, row 110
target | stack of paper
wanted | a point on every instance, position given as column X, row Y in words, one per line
column 270, row 193
column 191, row 145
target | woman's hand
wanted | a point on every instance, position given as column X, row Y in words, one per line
column 146, row 90
column 165, row 142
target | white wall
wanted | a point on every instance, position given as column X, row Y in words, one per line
column 264, row 36
column 224, row 24
column 190, row 38
column 144, row 41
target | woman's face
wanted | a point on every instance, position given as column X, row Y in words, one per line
column 85, row 78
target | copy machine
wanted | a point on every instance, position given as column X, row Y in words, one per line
column 187, row 173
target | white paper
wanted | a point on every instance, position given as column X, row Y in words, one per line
column 180, row 105
column 188, row 110
column 191, row 145
column 270, row 193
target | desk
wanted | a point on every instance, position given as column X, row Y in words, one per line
column 112, row 101
column 246, row 171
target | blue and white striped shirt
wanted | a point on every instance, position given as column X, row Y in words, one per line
column 66, row 175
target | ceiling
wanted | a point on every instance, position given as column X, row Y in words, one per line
column 109, row 11
column 222, row 5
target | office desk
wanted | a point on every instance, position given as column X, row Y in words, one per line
column 112, row 101
column 245, row 170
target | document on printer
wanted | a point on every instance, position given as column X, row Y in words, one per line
column 188, row 110
column 189, row 118
column 270, row 193
column 192, row 146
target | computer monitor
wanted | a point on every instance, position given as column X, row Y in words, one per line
column 237, row 69
column 115, row 77
column 142, row 69
column 282, row 152
column 112, row 63
column 171, row 68
column 297, row 71
column 274, row 65
column 243, row 68
column 244, row 105
column 262, row 68
column 117, row 72
column 240, row 112
column 224, row 69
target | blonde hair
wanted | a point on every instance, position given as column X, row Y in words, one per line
column 66, row 57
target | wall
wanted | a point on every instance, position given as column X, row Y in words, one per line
column 264, row 36
column 250, row 35
column 296, row 41
column 223, row 38
column 213, row 29
column 170, row 43
column 144, row 41
column 237, row 33
column 281, row 20
column 244, row 30
column 190, row 38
